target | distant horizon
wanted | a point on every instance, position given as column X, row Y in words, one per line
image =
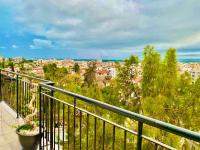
column 181, row 56
column 184, row 60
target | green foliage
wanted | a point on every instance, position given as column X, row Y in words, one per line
column 151, row 72
column 110, row 94
column 163, row 94
column 2, row 64
column 131, row 60
column 52, row 72
column 25, row 127
column 169, row 96
column 92, row 91
column 26, row 61
column 22, row 68
column 90, row 74
column 129, row 91
column 185, row 84
column 76, row 68
column 11, row 65
column 170, row 74
column 71, row 82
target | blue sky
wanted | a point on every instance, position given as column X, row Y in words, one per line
column 101, row 29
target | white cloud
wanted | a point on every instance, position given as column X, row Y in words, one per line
column 92, row 22
column 124, row 25
column 186, row 42
column 189, row 53
column 40, row 43
column 14, row 46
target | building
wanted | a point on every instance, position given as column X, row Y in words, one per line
column 195, row 74
column 193, row 69
column 17, row 59
column 1, row 59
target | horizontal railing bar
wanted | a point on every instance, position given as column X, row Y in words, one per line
column 157, row 142
column 9, row 77
column 28, row 82
column 45, row 89
column 147, row 120
column 87, row 112
column 112, row 123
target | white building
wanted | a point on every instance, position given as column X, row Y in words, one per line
column 112, row 72
column 195, row 74
column 193, row 69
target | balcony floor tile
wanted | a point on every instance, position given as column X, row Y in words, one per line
column 8, row 137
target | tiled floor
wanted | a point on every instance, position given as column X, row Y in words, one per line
column 8, row 137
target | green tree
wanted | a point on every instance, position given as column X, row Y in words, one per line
column 71, row 82
column 22, row 68
column 151, row 67
column 50, row 71
column 2, row 64
column 170, row 74
column 129, row 90
column 195, row 106
column 90, row 74
column 76, row 68
column 61, row 73
column 11, row 65
column 110, row 94
column 185, row 84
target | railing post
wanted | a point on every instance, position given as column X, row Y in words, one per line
column 74, row 123
column 17, row 95
column 51, row 119
column 139, row 136
column 40, row 115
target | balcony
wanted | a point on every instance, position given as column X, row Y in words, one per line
column 71, row 121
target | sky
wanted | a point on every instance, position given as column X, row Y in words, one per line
column 98, row 29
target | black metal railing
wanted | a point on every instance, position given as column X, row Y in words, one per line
column 16, row 90
column 71, row 121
